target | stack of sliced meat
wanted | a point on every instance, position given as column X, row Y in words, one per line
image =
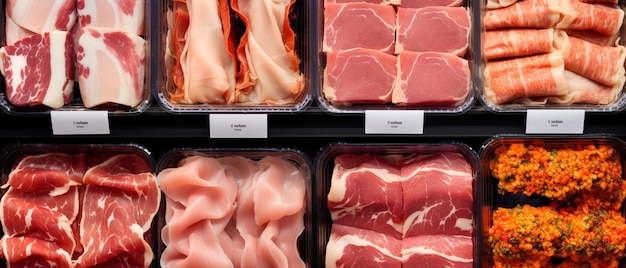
column 44, row 41
column 65, row 210
column 210, row 64
column 233, row 212
column 553, row 51
column 408, row 54
column 401, row 212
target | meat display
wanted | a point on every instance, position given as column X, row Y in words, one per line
column 357, row 34
column 451, row 24
column 251, row 62
column 431, row 79
column 79, row 210
column 530, row 47
column 430, row 3
column 394, row 210
column 111, row 67
column 39, row 69
column 256, row 217
column 48, row 31
column 127, row 16
column 359, row 75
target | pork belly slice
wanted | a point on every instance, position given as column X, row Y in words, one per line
column 355, row 247
column 437, row 195
column 509, row 43
column 111, row 67
column 583, row 90
column 42, row 16
column 526, row 77
column 365, row 192
column 603, row 64
column 359, row 76
column 594, row 37
column 578, row 15
column 431, row 79
column 359, row 25
column 437, row 29
column 430, row 3
column 270, row 70
column 434, row 251
column 121, row 198
column 14, row 32
column 127, row 16
column 523, row 14
column 39, row 70
column 33, row 252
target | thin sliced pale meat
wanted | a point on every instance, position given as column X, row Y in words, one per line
column 517, row 42
column 495, row 4
column 602, row 64
column 523, row 14
column 594, row 37
column 578, row 15
column 526, row 77
column 583, row 90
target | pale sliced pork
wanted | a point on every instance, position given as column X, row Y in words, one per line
column 359, row 25
column 355, row 247
column 431, row 79
column 437, row 29
column 578, row 15
column 111, row 67
column 127, row 15
column 42, row 16
column 359, row 76
column 434, row 251
column 523, row 14
column 517, row 43
column 583, row 90
column 39, row 70
column 14, row 32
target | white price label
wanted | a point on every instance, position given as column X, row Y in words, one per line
column 80, row 122
column 238, row 126
column 394, row 122
column 555, row 121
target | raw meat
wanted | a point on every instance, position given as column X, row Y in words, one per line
column 359, row 25
column 526, row 77
column 119, row 55
column 31, row 252
column 15, row 32
column 270, row 73
column 430, row 3
column 602, row 64
column 356, row 247
column 257, row 216
column 594, row 37
column 578, row 15
column 42, row 16
column 359, row 76
column 437, row 195
column 39, row 69
column 382, row 2
column 51, row 174
column 121, row 198
column 517, row 42
column 434, row 251
column 125, row 15
column 583, row 90
column 431, row 79
column 205, row 58
column 523, row 14
column 495, row 4
column 364, row 193
column 437, row 29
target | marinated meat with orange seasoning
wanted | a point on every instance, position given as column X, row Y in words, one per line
column 522, row 78
column 506, row 43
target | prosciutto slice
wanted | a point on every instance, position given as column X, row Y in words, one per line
column 526, row 77
column 122, row 15
column 356, row 247
column 431, row 79
column 31, row 252
column 359, row 25
column 509, row 43
column 602, row 64
column 39, row 70
column 271, row 72
column 119, row 55
column 430, row 251
column 359, row 76
column 42, row 16
column 50, row 174
column 523, row 14
column 433, row 29
column 578, row 15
